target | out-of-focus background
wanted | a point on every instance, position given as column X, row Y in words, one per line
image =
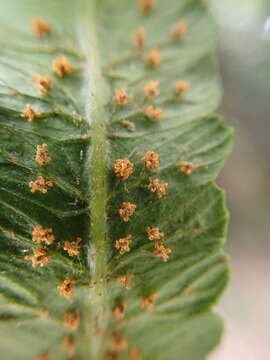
column 245, row 66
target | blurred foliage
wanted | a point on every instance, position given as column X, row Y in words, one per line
column 245, row 65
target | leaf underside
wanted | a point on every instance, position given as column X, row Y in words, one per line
column 96, row 37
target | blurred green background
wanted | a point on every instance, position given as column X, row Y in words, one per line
column 245, row 65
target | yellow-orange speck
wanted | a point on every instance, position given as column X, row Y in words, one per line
column 41, row 27
column 61, row 66
column 123, row 244
column 123, row 168
column 127, row 210
column 119, row 342
column 41, row 235
column 139, row 38
column 69, row 345
column 135, row 354
column 41, row 156
column 73, row 247
column 125, row 280
column 153, row 58
column 154, row 113
column 129, row 125
column 179, row 30
column 43, row 83
column 72, row 320
column 30, row 113
column 149, row 302
column 181, row 87
column 119, row 311
column 156, row 187
column 146, row 6
column 161, row 251
column 121, row 97
column 39, row 258
column 45, row 356
column 151, row 90
column 186, row 167
column 40, row 185
column 151, row 160
column 154, row 233
column 66, row 288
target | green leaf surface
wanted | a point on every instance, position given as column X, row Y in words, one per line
column 84, row 133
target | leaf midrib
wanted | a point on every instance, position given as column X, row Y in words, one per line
column 95, row 307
